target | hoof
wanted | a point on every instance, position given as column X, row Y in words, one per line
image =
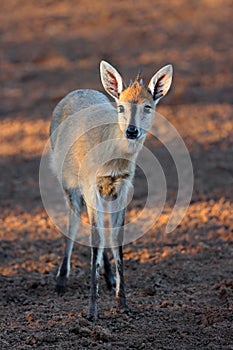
column 61, row 285
column 92, row 314
column 91, row 318
column 124, row 309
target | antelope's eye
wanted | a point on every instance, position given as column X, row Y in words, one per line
column 147, row 109
column 121, row 109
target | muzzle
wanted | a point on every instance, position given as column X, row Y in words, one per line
column 132, row 132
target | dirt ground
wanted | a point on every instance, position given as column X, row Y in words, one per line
column 179, row 285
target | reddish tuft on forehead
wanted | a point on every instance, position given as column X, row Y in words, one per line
column 135, row 93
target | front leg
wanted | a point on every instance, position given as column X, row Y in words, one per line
column 120, row 283
column 117, row 235
column 95, row 266
column 97, row 243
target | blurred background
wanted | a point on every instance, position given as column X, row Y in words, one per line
column 51, row 47
column 48, row 48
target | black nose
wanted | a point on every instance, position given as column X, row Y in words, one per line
column 132, row 132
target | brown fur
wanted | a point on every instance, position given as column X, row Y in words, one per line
column 108, row 185
column 135, row 94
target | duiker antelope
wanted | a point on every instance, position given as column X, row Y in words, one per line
column 94, row 150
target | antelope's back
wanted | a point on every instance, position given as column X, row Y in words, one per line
column 80, row 121
column 71, row 104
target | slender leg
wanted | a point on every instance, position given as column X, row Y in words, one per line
column 64, row 269
column 117, row 223
column 108, row 274
column 97, row 243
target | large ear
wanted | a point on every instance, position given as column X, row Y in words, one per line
column 111, row 79
column 161, row 82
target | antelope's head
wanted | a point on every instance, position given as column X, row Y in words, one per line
column 136, row 103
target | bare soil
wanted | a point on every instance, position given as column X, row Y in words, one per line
column 179, row 285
